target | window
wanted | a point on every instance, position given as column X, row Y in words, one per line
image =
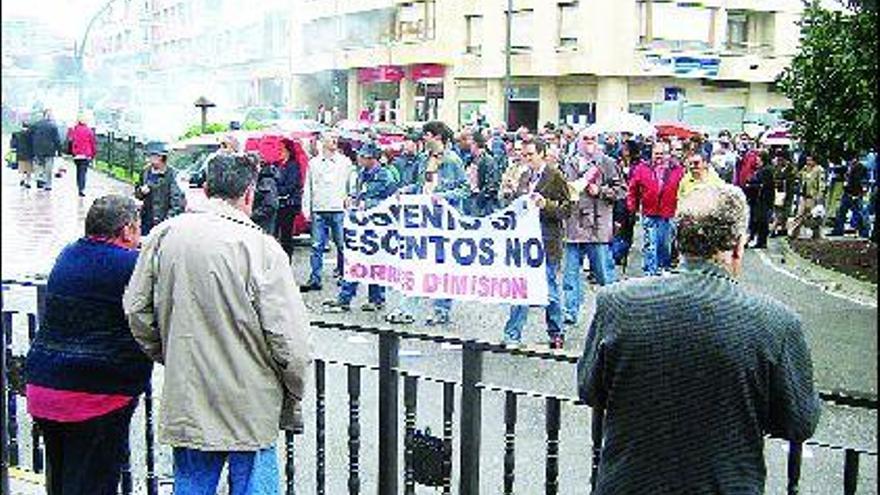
column 675, row 26
column 737, row 30
column 521, row 29
column 577, row 113
column 568, row 24
column 415, row 21
column 474, row 34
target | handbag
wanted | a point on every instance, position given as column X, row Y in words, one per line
column 430, row 459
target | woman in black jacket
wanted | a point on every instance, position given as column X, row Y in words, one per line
column 762, row 188
column 290, row 190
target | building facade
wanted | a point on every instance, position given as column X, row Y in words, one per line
column 159, row 56
column 712, row 64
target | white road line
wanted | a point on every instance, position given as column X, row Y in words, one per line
column 773, row 266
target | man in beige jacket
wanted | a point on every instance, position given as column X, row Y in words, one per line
column 213, row 299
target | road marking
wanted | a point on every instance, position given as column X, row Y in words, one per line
column 357, row 339
column 773, row 266
column 410, row 353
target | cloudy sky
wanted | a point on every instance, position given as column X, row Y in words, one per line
column 65, row 18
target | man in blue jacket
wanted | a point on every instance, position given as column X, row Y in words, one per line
column 374, row 184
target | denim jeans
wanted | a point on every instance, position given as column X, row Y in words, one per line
column 325, row 225
column 601, row 264
column 657, row 250
column 375, row 293
column 250, row 473
column 553, row 311
column 849, row 202
column 82, row 166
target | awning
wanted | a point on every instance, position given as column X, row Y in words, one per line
column 422, row 72
column 380, row 74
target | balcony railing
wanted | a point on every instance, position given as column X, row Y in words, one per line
column 470, row 387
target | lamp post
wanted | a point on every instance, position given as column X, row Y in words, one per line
column 204, row 104
column 79, row 51
column 507, row 87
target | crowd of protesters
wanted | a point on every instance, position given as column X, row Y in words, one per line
column 614, row 181
column 209, row 284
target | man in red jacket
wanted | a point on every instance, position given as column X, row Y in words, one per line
column 653, row 190
column 83, row 147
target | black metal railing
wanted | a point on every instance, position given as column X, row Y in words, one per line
column 471, row 388
column 124, row 152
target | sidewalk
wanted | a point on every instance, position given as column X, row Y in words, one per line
column 37, row 224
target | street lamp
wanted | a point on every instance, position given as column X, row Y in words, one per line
column 204, row 104
column 507, row 89
column 79, row 51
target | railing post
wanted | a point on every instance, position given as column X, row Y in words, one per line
column 152, row 479
column 553, row 412
column 41, row 303
column 410, row 401
column 125, row 482
column 320, row 425
column 130, row 154
column 5, row 326
column 850, row 472
column 11, row 423
column 471, row 418
column 596, row 427
column 36, row 445
column 795, row 455
column 509, row 441
column 448, row 411
column 389, row 347
column 289, row 463
column 354, row 428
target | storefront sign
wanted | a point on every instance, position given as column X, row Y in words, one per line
column 423, row 247
column 419, row 72
column 380, row 74
column 682, row 65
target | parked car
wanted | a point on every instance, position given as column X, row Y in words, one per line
column 189, row 157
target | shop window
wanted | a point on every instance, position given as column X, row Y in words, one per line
column 470, row 111
column 568, row 25
column 474, row 34
column 643, row 109
column 577, row 113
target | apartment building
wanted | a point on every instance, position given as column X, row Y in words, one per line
column 156, row 57
column 711, row 63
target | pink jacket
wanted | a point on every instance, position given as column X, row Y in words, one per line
column 82, row 141
column 646, row 194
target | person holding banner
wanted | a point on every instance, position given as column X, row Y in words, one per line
column 547, row 188
column 374, row 184
column 452, row 184
column 440, row 179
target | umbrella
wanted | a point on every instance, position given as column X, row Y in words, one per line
column 623, row 122
column 776, row 137
column 677, row 129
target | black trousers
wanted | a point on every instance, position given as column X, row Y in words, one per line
column 284, row 228
column 85, row 458
column 82, row 166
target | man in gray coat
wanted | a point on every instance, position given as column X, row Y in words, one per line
column 598, row 182
column 45, row 145
column 693, row 370
column 213, row 298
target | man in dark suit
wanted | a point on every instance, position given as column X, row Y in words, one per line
column 546, row 186
column 693, row 370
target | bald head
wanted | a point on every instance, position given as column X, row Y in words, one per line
column 712, row 220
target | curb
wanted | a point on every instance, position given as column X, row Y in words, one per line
column 831, row 280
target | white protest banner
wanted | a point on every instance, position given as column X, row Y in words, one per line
column 424, row 247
